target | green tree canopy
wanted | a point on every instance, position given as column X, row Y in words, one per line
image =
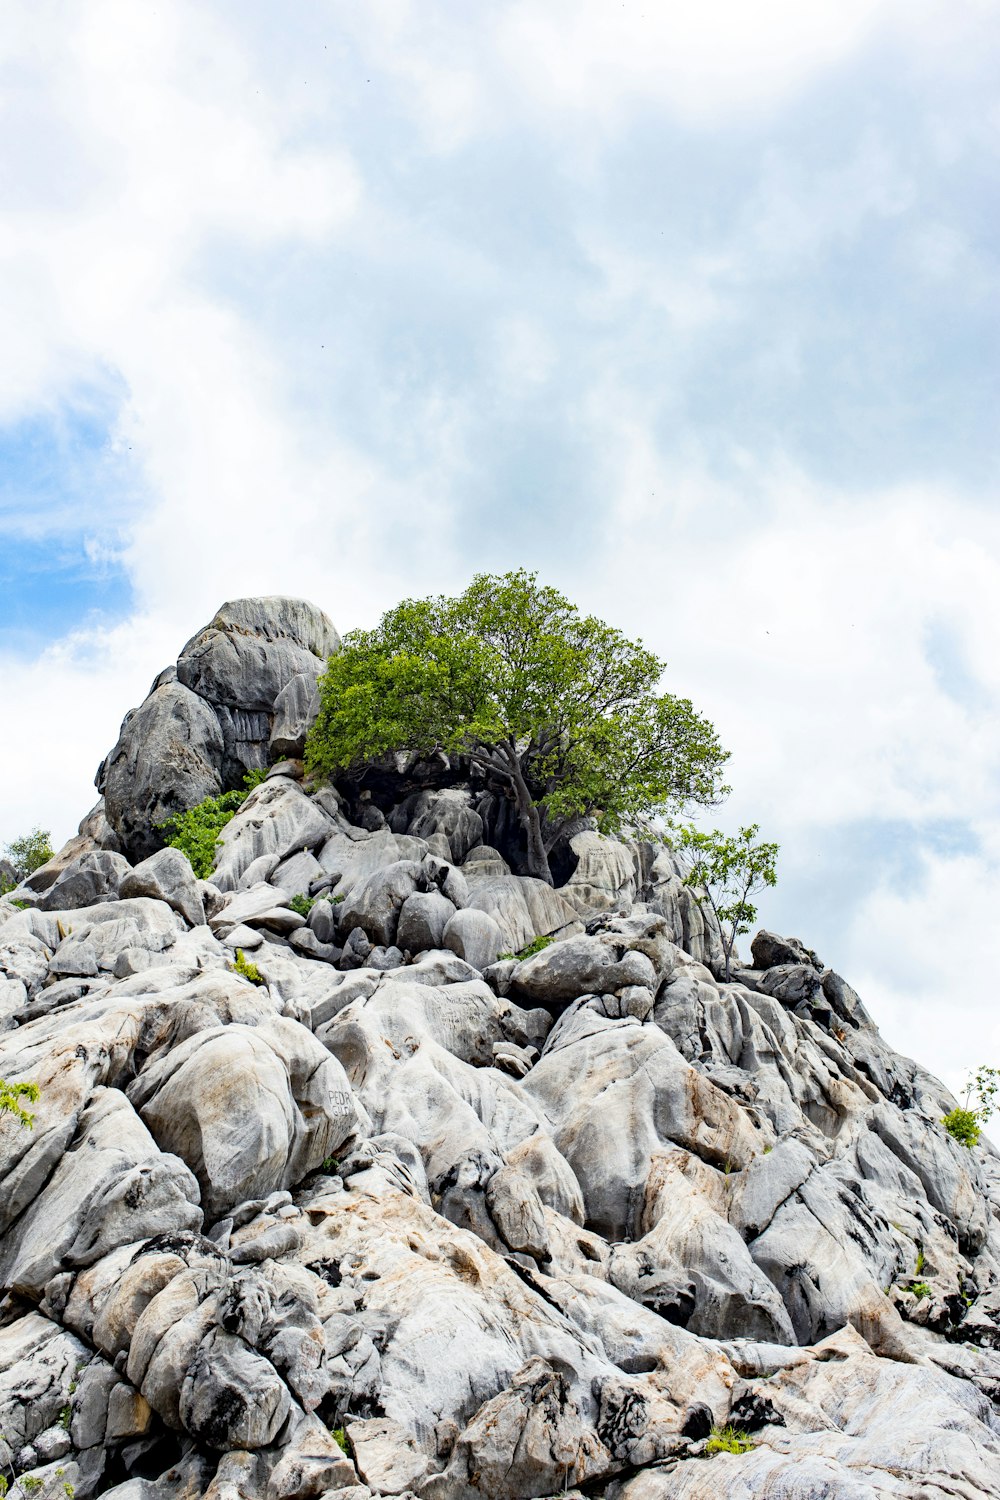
column 561, row 711
column 725, row 872
column 29, row 852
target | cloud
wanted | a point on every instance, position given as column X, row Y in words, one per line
column 705, row 61
column 683, row 306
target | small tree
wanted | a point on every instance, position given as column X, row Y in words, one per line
column 964, row 1123
column 560, row 710
column 725, row 873
column 29, row 852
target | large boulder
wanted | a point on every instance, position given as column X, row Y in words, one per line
column 113, row 1186
column 208, row 720
column 605, row 877
column 524, row 908
column 252, row 649
column 295, row 711
column 90, row 878
column 168, row 758
column 249, row 1108
column 581, row 966
column 448, row 812
column 276, row 821
column 166, row 876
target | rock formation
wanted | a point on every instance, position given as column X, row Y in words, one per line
column 348, row 1198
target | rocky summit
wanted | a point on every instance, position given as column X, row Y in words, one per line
column 342, row 1182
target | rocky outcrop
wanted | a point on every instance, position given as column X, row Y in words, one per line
column 340, row 1195
column 209, row 719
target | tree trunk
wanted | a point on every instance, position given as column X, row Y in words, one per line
column 538, row 859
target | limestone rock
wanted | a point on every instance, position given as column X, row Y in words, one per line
column 474, row 936
column 87, row 880
column 295, row 709
column 167, row 876
column 168, row 758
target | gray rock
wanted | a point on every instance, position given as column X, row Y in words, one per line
column 250, row 1109
column 423, row 918
column 523, row 908
column 231, row 1397
column 769, row 951
column 113, row 1186
column 484, row 860
column 387, row 1456
column 277, row 820
column 375, row 903
column 253, row 648
column 474, row 936
column 38, row 1364
column 580, row 966
column 322, row 921
column 297, row 873
column 295, row 709
column 87, row 880
column 168, row 758
column 606, row 874
column 167, row 876
column 447, row 812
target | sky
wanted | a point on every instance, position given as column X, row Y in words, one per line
column 691, row 308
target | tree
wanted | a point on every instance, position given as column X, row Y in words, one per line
column 559, row 710
column 29, row 852
column 725, row 873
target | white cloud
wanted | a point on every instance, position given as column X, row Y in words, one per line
column 923, row 959
column 162, row 162
column 707, row 60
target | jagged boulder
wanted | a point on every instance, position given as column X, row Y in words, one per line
column 208, row 720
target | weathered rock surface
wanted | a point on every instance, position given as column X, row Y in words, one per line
column 209, row 719
column 499, row 1227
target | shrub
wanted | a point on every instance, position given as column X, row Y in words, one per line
column 196, row 832
column 11, row 1095
column 962, row 1125
column 302, row 904
column 247, row 969
column 728, row 1440
column 535, row 946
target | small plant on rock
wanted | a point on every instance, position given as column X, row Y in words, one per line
column 248, row 970
column 302, row 904
column 964, row 1123
column 339, row 1436
column 962, row 1126
column 728, row 1440
column 537, row 945
column 920, row 1289
column 11, row 1095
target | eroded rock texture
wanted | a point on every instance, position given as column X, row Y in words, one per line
column 397, row 1211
